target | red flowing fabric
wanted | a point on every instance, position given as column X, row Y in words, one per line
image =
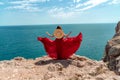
column 61, row 48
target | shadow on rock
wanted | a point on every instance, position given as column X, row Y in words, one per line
column 64, row 63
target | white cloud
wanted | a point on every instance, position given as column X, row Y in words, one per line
column 74, row 7
column 89, row 4
column 114, row 2
column 29, row 5
column 59, row 13
column 78, row 5
column 69, row 11
column 76, row 1
column 1, row 3
column 28, row 1
column 24, row 7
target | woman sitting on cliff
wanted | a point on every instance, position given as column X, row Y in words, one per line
column 63, row 46
column 58, row 33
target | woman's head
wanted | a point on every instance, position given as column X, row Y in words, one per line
column 58, row 33
column 58, row 27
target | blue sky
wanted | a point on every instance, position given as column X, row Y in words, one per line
column 35, row 12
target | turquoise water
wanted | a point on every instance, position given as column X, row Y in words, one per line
column 22, row 40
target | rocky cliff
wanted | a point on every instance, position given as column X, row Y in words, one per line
column 44, row 68
column 112, row 51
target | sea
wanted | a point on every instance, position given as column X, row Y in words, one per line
column 21, row 41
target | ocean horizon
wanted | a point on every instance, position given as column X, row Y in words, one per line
column 21, row 40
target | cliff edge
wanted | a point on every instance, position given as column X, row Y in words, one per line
column 45, row 68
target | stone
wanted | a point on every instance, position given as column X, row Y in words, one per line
column 74, row 78
column 112, row 51
column 59, row 67
column 18, row 58
column 117, row 29
column 47, row 76
column 51, row 68
column 78, row 63
column 99, row 78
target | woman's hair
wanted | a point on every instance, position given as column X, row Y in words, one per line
column 58, row 27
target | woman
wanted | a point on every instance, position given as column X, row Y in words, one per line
column 63, row 46
column 58, row 33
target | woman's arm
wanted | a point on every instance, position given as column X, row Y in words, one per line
column 66, row 35
column 49, row 34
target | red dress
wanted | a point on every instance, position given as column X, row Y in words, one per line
column 61, row 48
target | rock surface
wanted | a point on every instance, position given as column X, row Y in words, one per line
column 44, row 68
column 112, row 51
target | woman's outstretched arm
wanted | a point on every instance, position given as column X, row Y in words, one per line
column 49, row 34
column 66, row 35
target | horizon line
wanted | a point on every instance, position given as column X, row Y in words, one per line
column 58, row 24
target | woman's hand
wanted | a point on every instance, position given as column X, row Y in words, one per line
column 49, row 34
column 66, row 35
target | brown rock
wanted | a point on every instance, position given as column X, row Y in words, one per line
column 112, row 51
column 47, row 76
column 51, row 68
column 59, row 67
column 99, row 78
column 117, row 29
column 47, row 69
column 74, row 57
column 18, row 58
column 78, row 63
column 74, row 78
column 55, row 67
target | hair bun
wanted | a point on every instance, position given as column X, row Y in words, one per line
column 58, row 33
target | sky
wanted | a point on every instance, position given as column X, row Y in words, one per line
column 35, row 12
